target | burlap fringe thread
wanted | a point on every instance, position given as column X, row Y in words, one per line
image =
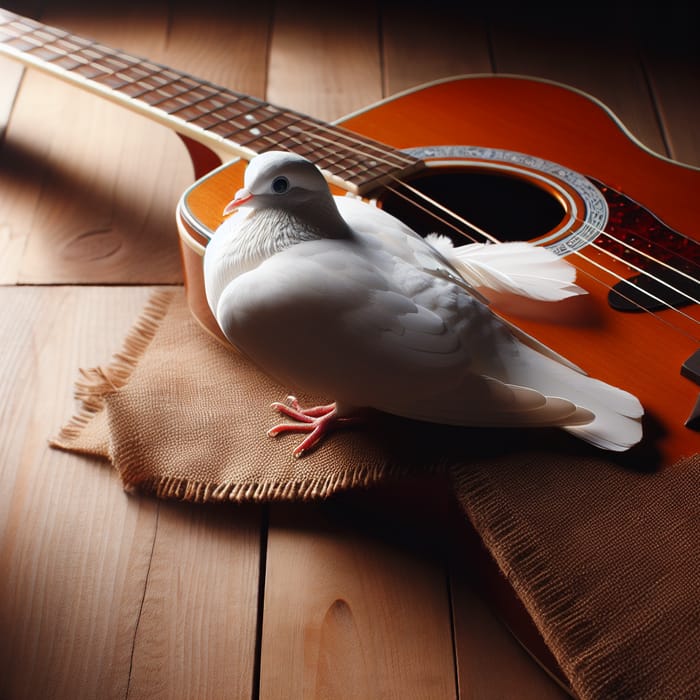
column 98, row 382
column 184, row 489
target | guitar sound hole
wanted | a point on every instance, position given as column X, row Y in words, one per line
column 509, row 208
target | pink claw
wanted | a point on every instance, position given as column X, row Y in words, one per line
column 317, row 421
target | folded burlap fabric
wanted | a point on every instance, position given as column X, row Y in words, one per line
column 605, row 560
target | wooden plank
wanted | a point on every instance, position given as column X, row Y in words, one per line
column 324, row 57
column 11, row 245
column 352, row 612
column 606, row 65
column 420, row 46
column 669, row 46
column 103, row 594
column 74, row 549
column 98, row 184
column 196, row 635
column 10, row 78
column 87, row 189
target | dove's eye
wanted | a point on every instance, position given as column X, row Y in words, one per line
column 280, row 185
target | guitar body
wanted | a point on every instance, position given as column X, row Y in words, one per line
column 534, row 141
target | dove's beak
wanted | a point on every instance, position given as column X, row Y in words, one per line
column 242, row 196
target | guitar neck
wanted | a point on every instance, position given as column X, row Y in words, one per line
column 230, row 123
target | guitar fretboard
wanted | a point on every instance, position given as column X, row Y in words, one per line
column 220, row 118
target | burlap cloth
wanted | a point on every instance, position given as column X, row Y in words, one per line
column 605, row 559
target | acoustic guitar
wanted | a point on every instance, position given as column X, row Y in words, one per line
column 476, row 157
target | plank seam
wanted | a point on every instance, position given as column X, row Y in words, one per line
column 143, row 600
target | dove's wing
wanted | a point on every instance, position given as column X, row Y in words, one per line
column 384, row 230
column 372, row 329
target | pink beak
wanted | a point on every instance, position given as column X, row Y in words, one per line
column 242, row 196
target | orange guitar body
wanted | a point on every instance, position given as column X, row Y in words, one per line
column 640, row 352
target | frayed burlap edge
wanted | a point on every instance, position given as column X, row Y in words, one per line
column 185, row 489
column 97, row 382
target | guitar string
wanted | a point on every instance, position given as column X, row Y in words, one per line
column 597, row 230
column 128, row 61
column 588, row 274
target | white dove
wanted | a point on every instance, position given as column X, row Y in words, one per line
column 334, row 296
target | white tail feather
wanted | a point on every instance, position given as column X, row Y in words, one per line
column 513, row 268
column 617, row 422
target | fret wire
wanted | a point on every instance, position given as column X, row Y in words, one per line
column 258, row 124
column 243, row 105
column 197, row 105
column 177, row 98
column 20, row 44
column 169, row 96
column 353, row 140
column 66, row 63
column 194, row 105
column 348, row 137
column 305, row 139
column 211, row 112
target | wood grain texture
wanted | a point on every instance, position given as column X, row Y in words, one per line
column 674, row 78
column 418, row 46
column 74, row 550
column 92, row 200
column 349, row 613
column 196, row 634
column 11, row 245
column 490, row 664
column 104, row 594
column 344, row 615
column 10, row 78
column 324, row 57
column 99, row 178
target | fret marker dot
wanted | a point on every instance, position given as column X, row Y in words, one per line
column 255, row 131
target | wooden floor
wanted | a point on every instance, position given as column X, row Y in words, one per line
column 106, row 595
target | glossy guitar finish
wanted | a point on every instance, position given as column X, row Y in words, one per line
column 641, row 352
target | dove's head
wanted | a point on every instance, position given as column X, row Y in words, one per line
column 280, row 179
column 292, row 184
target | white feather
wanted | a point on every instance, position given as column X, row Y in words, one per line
column 513, row 267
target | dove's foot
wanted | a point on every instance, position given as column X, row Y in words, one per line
column 317, row 421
